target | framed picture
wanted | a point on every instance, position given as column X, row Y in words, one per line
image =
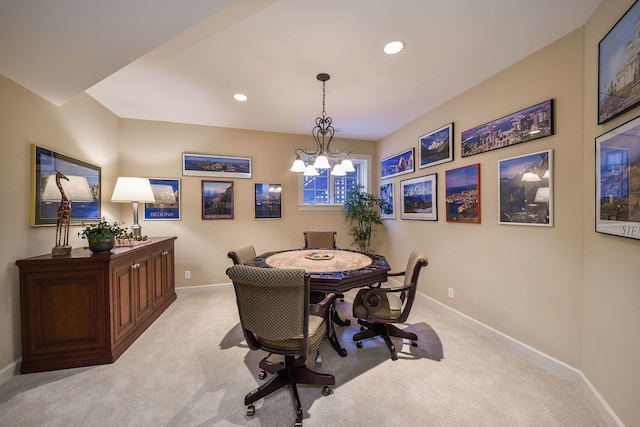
column 463, row 194
column 166, row 191
column 217, row 199
column 525, row 125
column 268, row 201
column 436, row 147
column 397, row 165
column 81, row 187
column 618, row 56
column 216, row 166
column 525, row 189
column 386, row 194
column 419, row 198
column 618, row 181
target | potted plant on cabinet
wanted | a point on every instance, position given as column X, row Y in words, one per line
column 362, row 210
column 101, row 235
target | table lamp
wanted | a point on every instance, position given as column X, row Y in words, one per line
column 133, row 190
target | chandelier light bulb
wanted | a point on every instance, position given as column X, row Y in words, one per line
column 321, row 162
column 338, row 170
column 310, row 171
column 347, row 165
column 298, row 165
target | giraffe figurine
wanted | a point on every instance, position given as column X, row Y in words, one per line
column 64, row 218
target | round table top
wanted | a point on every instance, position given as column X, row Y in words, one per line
column 319, row 261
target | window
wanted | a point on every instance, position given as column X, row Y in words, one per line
column 327, row 190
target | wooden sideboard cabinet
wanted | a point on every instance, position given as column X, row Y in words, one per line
column 88, row 308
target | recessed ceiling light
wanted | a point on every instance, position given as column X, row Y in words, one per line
column 240, row 97
column 393, row 47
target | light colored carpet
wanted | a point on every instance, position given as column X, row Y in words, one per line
column 192, row 368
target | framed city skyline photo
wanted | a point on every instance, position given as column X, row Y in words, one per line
column 463, row 194
column 166, row 191
column 268, row 201
column 217, row 199
column 618, row 77
column 525, row 189
column 618, row 181
column 216, row 166
column 387, row 196
column 525, row 125
column 419, row 198
column 436, row 147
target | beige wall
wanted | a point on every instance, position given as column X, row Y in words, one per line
column 611, row 285
column 565, row 290
column 154, row 149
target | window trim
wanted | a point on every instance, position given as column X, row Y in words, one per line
column 366, row 178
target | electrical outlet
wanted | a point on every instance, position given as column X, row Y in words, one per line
column 450, row 292
column 187, row 274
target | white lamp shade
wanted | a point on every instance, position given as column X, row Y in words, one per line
column 347, row 165
column 321, row 163
column 542, row 195
column 298, row 166
column 310, row 171
column 338, row 170
column 530, row 177
column 132, row 189
column 76, row 189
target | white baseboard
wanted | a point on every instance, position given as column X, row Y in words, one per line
column 569, row 372
column 10, row 370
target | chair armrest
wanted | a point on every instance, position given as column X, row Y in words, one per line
column 322, row 305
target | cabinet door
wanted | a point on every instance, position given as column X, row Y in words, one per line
column 131, row 296
column 163, row 275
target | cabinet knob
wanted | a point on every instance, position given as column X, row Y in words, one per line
column 135, row 266
column 165, row 252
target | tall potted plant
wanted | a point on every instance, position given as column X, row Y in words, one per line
column 362, row 210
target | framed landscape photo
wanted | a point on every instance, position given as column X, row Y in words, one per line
column 436, row 147
column 463, row 194
column 166, row 191
column 386, row 195
column 525, row 189
column 217, row 199
column 397, row 165
column 216, row 166
column 618, row 56
column 81, row 187
column 419, row 198
column 525, row 125
column 268, row 201
column 618, row 181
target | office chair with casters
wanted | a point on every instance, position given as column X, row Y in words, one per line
column 276, row 316
column 242, row 255
column 320, row 240
column 377, row 308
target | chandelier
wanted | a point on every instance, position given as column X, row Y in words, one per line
column 322, row 156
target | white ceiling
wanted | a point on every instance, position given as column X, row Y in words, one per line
column 182, row 60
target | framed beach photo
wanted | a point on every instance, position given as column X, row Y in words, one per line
column 525, row 189
column 463, row 194
column 387, row 197
column 216, row 166
column 436, row 147
column 525, row 125
column 81, row 187
column 419, row 198
column 618, row 181
column 618, row 77
column 268, row 201
column 166, row 191
column 217, row 199
column 397, row 165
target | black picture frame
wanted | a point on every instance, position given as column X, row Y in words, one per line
column 529, row 124
column 398, row 164
column 436, row 147
column 83, row 175
column 618, row 54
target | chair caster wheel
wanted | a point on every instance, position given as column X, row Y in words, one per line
column 326, row 390
column 262, row 375
column 359, row 344
column 394, row 356
column 251, row 410
column 414, row 344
